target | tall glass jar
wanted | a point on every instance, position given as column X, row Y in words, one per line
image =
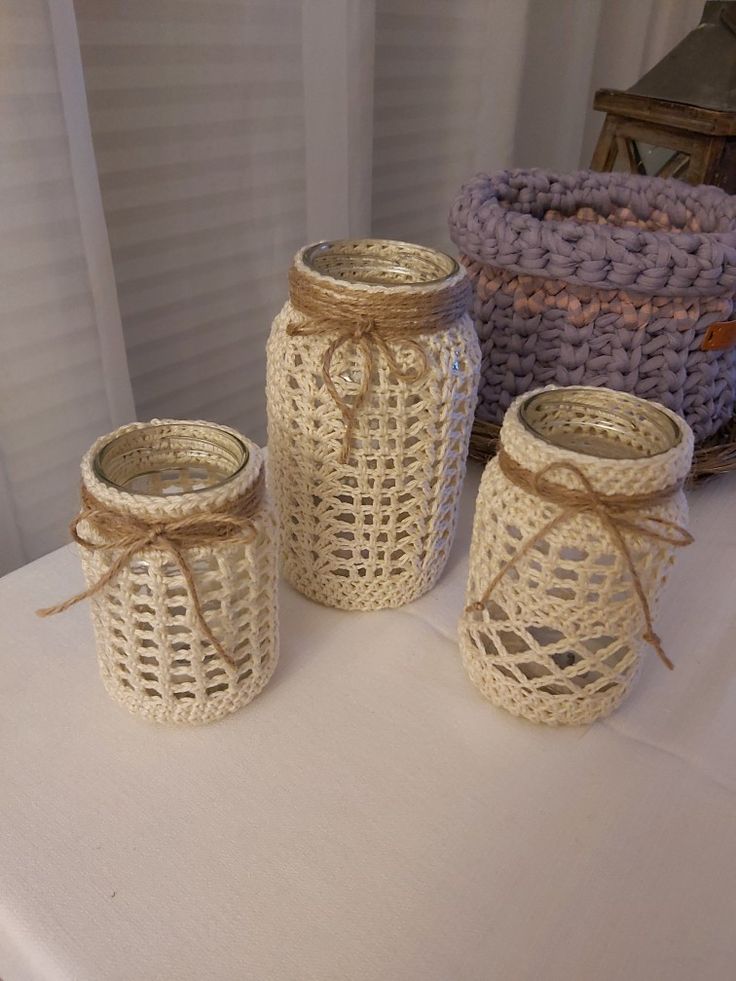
column 372, row 377
column 576, row 524
column 186, row 629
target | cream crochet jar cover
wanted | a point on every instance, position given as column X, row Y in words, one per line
column 368, row 489
column 559, row 638
column 153, row 657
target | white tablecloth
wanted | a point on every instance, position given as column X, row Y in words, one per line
column 369, row 817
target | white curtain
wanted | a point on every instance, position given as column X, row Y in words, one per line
column 153, row 190
column 476, row 85
column 63, row 373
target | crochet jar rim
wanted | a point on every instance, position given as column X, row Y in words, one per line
column 198, row 435
column 667, row 428
column 447, row 265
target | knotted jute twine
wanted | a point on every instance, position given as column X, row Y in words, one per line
column 377, row 322
column 617, row 513
column 116, row 531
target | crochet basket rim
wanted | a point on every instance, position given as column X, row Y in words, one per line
column 673, row 261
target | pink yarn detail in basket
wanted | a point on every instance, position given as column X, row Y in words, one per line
column 600, row 279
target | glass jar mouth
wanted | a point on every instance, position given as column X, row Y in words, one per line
column 380, row 262
column 170, row 459
column 600, row 423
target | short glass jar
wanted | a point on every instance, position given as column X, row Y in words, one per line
column 373, row 369
column 182, row 505
column 576, row 523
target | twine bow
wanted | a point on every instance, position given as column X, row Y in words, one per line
column 376, row 324
column 616, row 513
column 370, row 341
column 130, row 535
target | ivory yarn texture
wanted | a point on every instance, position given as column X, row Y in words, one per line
column 576, row 524
column 601, row 279
column 372, row 380
column 186, row 626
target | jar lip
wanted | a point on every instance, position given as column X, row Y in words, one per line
column 332, row 246
column 560, row 395
column 224, row 434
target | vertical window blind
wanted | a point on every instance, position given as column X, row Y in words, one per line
column 479, row 85
column 56, row 393
column 197, row 118
column 162, row 161
column 428, row 55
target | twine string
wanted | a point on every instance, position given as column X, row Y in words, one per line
column 377, row 324
column 369, row 342
column 613, row 511
column 116, row 531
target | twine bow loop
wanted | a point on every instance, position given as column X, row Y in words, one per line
column 108, row 530
column 370, row 342
column 617, row 513
column 377, row 325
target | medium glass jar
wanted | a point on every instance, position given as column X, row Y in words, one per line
column 372, row 378
column 186, row 627
column 576, row 523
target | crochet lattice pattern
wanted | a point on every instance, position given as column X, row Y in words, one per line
column 153, row 657
column 376, row 530
column 559, row 640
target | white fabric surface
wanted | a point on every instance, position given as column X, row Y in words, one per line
column 369, row 816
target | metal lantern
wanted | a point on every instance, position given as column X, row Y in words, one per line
column 679, row 120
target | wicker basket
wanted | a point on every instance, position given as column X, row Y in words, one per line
column 603, row 280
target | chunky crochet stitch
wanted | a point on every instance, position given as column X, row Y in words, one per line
column 600, row 279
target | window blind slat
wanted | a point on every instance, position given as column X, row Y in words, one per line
column 53, row 396
column 427, row 75
column 197, row 118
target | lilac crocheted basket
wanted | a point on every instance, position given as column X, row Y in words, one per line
column 601, row 279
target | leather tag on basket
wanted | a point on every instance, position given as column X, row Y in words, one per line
column 720, row 336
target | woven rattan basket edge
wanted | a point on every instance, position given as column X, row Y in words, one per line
column 715, row 455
